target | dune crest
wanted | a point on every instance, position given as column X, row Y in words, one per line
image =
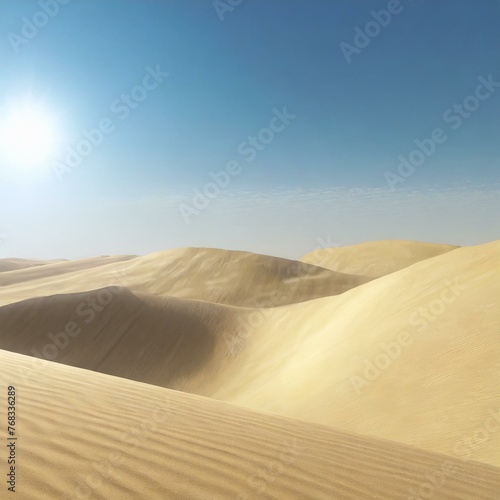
column 36, row 273
column 222, row 276
column 375, row 258
column 7, row 265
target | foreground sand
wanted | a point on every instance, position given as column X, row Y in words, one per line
column 87, row 435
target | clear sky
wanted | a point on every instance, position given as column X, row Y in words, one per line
column 308, row 107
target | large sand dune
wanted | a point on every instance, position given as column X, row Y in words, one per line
column 222, row 276
column 86, row 435
column 175, row 343
column 375, row 258
column 413, row 356
column 51, row 269
column 15, row 264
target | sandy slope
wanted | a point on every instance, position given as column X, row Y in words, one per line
column 222, row 276
column 366, row 361
column 87, row 435
column 15, row 264
column 413, row 356
column 375, row 258
column 175, row 343
column 52, row 269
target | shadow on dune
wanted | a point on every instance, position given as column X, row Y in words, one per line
column 154, row 340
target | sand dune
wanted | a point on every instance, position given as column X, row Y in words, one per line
column 171, row 342
column 375, row 258
column 51, row 269
column 221, row 276
column 15, row 264
column 411, row 357
column 87, row 435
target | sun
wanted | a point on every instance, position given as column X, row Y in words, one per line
column 28, row 136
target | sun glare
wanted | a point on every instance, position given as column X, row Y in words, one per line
column 28, row 137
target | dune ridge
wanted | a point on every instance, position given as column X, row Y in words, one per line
column 51, row 269
column 222, row 276
column 7, row 265
column 375, row 258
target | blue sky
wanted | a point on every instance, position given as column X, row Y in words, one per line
column 226, row 80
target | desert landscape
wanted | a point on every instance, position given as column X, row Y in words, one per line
column 365, row 371
column 249, row 250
